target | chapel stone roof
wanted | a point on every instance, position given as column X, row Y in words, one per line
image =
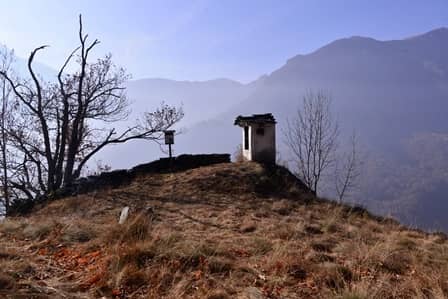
column 266, row 118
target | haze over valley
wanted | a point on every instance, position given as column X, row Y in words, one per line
column 210, row 149
column 392, row 93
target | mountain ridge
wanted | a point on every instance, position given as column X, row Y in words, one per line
column 388, row 93
column 385, row 92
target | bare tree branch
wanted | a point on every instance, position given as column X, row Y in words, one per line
column 61, row 125
column 346, row 176
column 312, row 137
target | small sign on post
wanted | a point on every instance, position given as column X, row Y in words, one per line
column 169, row 139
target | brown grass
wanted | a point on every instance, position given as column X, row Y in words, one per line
column 216, row 232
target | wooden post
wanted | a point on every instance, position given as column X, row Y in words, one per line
column 169, row 139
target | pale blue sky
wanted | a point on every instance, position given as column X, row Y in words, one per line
column 200, row 40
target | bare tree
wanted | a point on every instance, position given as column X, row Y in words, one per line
column 347, row 170
column 312, row 137
column 65, row 123
column 6, row 60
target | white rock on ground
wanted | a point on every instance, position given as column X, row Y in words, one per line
column 124, row 215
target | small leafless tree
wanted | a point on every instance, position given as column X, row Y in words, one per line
column 63, row 124
column 347, row 170
column 312, row 137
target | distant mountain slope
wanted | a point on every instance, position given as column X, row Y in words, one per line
column 388, row 91
column 201, row 99
column 46, row 72
column 393, row 93
column 20, row 67
column 385, row 89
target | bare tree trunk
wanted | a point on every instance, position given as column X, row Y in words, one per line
column 59, row 128
column 4, row 147
column 7, row 57
column 346, row 176
column 312, row 138
column 78, row 123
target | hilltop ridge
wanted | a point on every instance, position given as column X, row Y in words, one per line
column 232, row 230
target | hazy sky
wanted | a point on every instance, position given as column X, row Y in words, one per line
column 199, row 40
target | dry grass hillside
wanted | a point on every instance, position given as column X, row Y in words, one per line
column 223, row 231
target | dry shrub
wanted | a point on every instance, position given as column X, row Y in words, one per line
column 352, row 295
column 282, row 207
column 298, row 271
column 376, row 228
column 168, row 244
column 312, row 230
column 323, row 245
column 78, row 232
column 128, row 265
column 135, row 254
column 134, row 248
column 189, row 262
column 318, row 257
column 251, row 293
column 170, row 249
column 285, row 231
column 219, row 265
column 440, row 237
column 7, row 254
column 332, row 223
column 406, row 243
column 137, row 229
column 397, row 262
column 209, row 248
column 335, row 276
column 10, row 226
column 365, row 255
column 380, row 288
column 131, row 277
column 248, row 226
column 38, row 229
column 357, row 211
column 263, row 210
column 285, row 261
column 368, row 237
column 72, row 205
column 19, row 267
column 332, row 227
column 161, row 280
column 405, row 288
column 261, row 246
column 219, row 294
column 242, row 275
column 181, row 289
column 442, row 284
column 7, row 282
column 416, row 234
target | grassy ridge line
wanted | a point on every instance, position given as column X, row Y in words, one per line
column 223, row 231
